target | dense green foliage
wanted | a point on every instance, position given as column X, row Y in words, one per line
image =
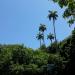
column 71, row 64
column 19, row 60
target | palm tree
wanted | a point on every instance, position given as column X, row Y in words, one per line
column 40, row 37
column 50, row 37
column 70, row 22
column 53, row 15
column 42, row 28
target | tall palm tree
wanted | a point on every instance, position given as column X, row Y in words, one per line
column 39, row 37
column 50, row 37
column 42, row 28
column 53, row 15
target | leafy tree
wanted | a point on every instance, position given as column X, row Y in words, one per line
column 5, row 60
column 65, row 48
column 55, row 62
column 40, row 58
column 21, row 56
column 53, row 48
column 17, row 69
column 43, row 48
column 13, row 57
column 31, row 69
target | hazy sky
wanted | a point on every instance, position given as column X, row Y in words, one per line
column 20, row 19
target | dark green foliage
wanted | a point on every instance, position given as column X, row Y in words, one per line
column 21, row 56
column 70, row 66
column 72, row 55
column 19, row 60
column 53, row 48
column 65, row 48
column 73, row 44
column 43, row 47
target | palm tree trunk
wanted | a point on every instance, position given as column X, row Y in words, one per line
column 54, row 30
column 55, row 34
column 43, row 39
column 40, row 42
column 51, row 41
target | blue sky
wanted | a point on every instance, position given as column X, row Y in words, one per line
column 20, row 19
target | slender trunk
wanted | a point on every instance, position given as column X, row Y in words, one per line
column 43, row 39
column 40, row 42
column 55, row 33
column 54, row 30
column 51, row 41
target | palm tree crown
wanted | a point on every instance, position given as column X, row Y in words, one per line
column 39, row 36
column 42, row 27
column 52, row 14
column 50, row 37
